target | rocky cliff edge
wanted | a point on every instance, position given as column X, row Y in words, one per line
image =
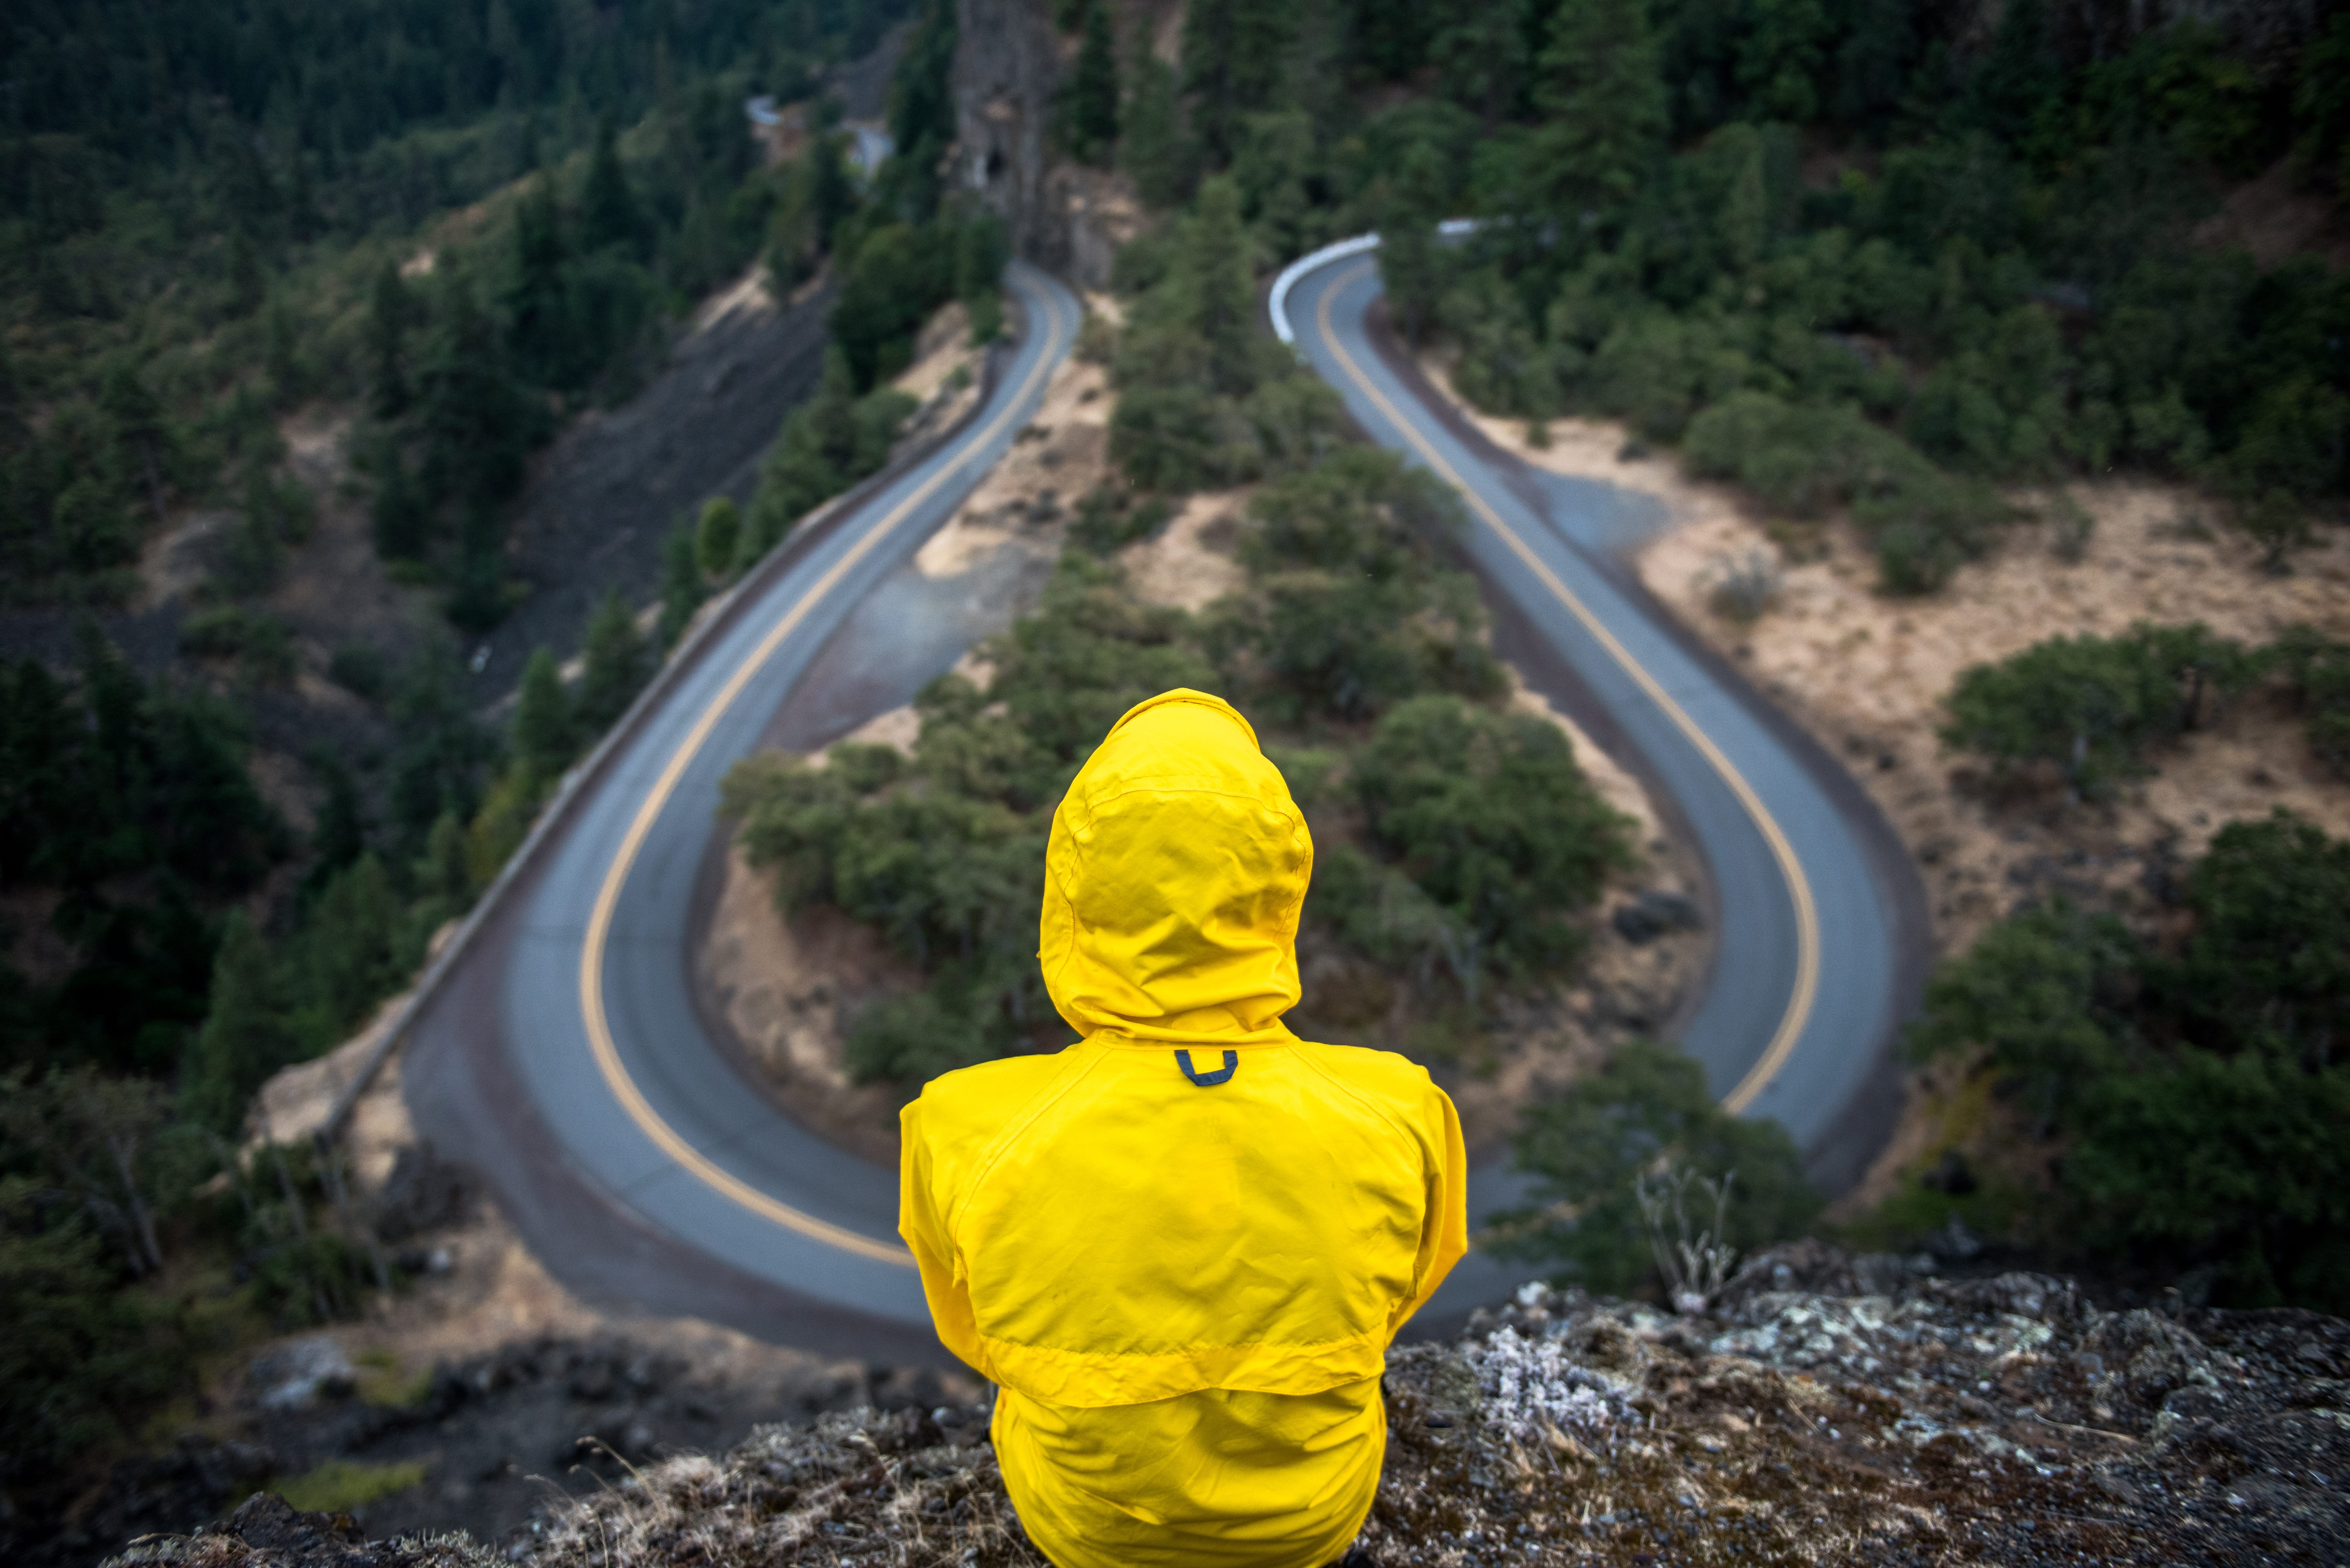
column 1825, row 1409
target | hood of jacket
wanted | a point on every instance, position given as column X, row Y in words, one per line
column 1173, row 879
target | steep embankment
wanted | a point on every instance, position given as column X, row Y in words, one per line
column 1829, row 1409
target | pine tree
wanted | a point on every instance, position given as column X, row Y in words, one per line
column 1480, row 47
column 541, row 331
column 1153, row 148
column 543, row 729
column 616, row 664
column 389, row 314
column 401, row 518
column 246, row 286
column 137, row 416
column 474, row 416
column 1412, row 258
column 1233, row 56
column 279, row 354
column 1218, row 293
column 1602, row 90
column 247, row 1035
column 717, row 534
column 1093, row 90
column 682, row 588
column 609, row 214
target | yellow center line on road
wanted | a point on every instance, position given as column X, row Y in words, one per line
column 1799, row 887
column 599, row 923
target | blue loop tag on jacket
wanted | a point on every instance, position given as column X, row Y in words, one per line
column 1209, row 1080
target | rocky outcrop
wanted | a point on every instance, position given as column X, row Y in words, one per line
column 1008, row 70
column 1007, row 73
column 1826, row 1409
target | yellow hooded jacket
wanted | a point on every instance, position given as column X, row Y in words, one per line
column 1185, row 1289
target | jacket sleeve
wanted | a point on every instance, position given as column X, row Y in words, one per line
column 1444, row 1224
column 944, row 1284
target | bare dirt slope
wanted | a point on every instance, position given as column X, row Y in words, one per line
column 602, row 498
column 1866, row 674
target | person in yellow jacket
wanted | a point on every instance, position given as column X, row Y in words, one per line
column 1182, row 1245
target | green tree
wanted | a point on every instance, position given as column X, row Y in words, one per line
column 473, row 416
column 2238, row 1159
column 1479, row 49
column 1092, row 105
column 350, row 949
column 609, row 216
column 1782, row 56
column 1232, row 54
column 1154, row 147
column 1489, row 814
column 544, row 735
column 538, row 311
column 246, row 284
column 2268, row 964
column 391, row 310
column 82, row 1361
column 2091, row 705
column 1601, row 91
column 718, row 536
column 683, row 586
column 2046, row 992
column 248, row 1035
column 1414, row 263
column 1645, row 1109
column 137, row 416
column 617, row 665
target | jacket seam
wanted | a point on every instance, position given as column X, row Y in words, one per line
column 1004, row 1142
column 1251, row 1345
column 1385, row 1114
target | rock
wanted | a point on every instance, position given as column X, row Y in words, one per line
column 1653, row 914
column 269, row 1521
column 298, row 1372
column 423, row 1192
column 1954, row 1243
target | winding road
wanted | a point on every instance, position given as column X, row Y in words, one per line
column 560, row 1050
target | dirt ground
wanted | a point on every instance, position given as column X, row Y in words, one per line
column 1866, row 675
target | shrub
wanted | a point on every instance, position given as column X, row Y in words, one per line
column 1586, row 1148
column 2091, row 705
column 80, row 1359
column 1801, row 460
column 2045, row 992
column 2317, row 671
column 1491, row 816
column 913, row 1039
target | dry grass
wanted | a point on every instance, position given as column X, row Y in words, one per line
column 863, row 1490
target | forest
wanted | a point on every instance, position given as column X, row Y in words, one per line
column 201, row 237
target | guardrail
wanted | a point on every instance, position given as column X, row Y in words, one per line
column 720, row 612
column 1451, row 229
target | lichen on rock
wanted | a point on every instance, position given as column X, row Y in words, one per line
column 1824, row 1409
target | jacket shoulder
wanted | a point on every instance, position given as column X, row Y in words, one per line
column 1395, row 1082
column 975, row 1103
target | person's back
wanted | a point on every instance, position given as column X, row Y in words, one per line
column 1182, row 1246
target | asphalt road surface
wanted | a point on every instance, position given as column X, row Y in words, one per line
column 1817, row 915
column 563, row 1056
